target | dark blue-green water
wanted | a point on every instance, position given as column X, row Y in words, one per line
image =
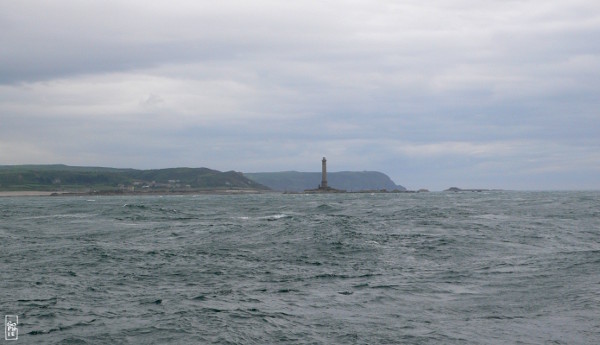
column 431, row 268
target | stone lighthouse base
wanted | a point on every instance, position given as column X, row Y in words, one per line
column 324, row 190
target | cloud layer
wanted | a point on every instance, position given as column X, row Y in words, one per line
column 498, row 94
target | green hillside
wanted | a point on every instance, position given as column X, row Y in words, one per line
column 352, row 181
column 73, row 178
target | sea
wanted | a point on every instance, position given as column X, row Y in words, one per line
column 498, row 267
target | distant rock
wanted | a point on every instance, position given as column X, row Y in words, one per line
column 351, row 181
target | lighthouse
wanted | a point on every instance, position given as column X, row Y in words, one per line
column 324, row 173
column 323, row 187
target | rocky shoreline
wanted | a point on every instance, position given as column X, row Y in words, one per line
column 130, row 193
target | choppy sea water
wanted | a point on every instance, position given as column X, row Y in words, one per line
column 431, row 268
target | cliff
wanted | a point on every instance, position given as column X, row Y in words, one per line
column 352, row 181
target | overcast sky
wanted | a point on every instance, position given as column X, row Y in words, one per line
column 467, row 93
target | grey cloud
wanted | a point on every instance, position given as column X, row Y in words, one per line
column 269, row 85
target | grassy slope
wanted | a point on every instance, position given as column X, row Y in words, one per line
column 62, row 177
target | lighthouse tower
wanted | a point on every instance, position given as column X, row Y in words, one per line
column 324, row 174
column 323, row 187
